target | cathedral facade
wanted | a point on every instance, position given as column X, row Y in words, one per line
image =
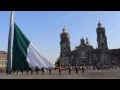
column 85, row 54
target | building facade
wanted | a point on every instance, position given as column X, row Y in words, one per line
column 85, row 54
column 3, row 59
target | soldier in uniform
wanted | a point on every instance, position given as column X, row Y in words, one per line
column 76, row 69
column 50, row 71
column 69, row 70
column 42, row 71
column 14, row 70
column 59, row 70
column 22, row 70
column 31, row 71
column 27, row 71
column 36, row 69
column 83, row 69
column 17, row 71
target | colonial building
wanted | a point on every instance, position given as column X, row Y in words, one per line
column 3, row 58
column 85, row 53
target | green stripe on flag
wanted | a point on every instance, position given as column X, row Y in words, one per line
column 20, row 45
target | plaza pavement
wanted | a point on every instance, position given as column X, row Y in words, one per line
column 89, row 74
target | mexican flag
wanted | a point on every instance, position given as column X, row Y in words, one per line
column 24, row 53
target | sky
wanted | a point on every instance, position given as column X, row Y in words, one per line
column 43, row 28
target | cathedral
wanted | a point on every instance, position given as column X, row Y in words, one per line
column 85, row 54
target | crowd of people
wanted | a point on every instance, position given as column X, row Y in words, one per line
column 68, row 69
column 84, row 68
column 31, row 70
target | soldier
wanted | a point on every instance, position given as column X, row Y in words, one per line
column 50, row 71
column 76, row 70
column 42, row 71
column 59, row 70
column 69, row 70
column 14, row 70
column 36, row 69
column 31, row 71
column 83, row 69
column 17, row 71
column 27, row 71
column 22, row 70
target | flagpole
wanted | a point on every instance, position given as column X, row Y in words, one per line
column 10, row 40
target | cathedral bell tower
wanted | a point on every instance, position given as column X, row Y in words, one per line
column 64, row 47
column 101, row 37
column 102, row 44
column 65, row 43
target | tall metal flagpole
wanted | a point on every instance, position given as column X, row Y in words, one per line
column 10, row 40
